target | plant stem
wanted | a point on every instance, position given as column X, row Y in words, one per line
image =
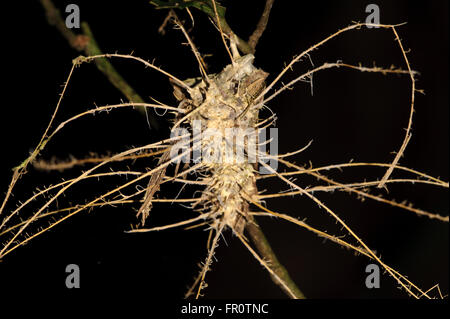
column 86, row 43
column 263, row 246
column 207, row 7
column 261, row 26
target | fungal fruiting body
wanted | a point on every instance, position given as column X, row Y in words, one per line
column 222, row 113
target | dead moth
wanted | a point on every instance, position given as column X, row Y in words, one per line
column 221, row 102
column 229, row 101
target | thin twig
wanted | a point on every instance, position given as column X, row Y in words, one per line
column 262, row 245
column 86, row 43
column 261, row 26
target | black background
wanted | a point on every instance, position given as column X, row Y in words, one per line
column 351, row 115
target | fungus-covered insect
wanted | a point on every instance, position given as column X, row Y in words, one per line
column 221, row 151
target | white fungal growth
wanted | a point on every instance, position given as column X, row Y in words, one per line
column 225, row 195
column 223, row 113
column 224, row 106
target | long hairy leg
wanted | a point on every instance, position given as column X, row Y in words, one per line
column 10, row 242
column 409, row 71
column 349, row 230
column 337, row 240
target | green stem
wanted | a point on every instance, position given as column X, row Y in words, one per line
column 86, row 43
column 256, row 234
column 111, row 73
column 207, row 7
column 263, row 246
